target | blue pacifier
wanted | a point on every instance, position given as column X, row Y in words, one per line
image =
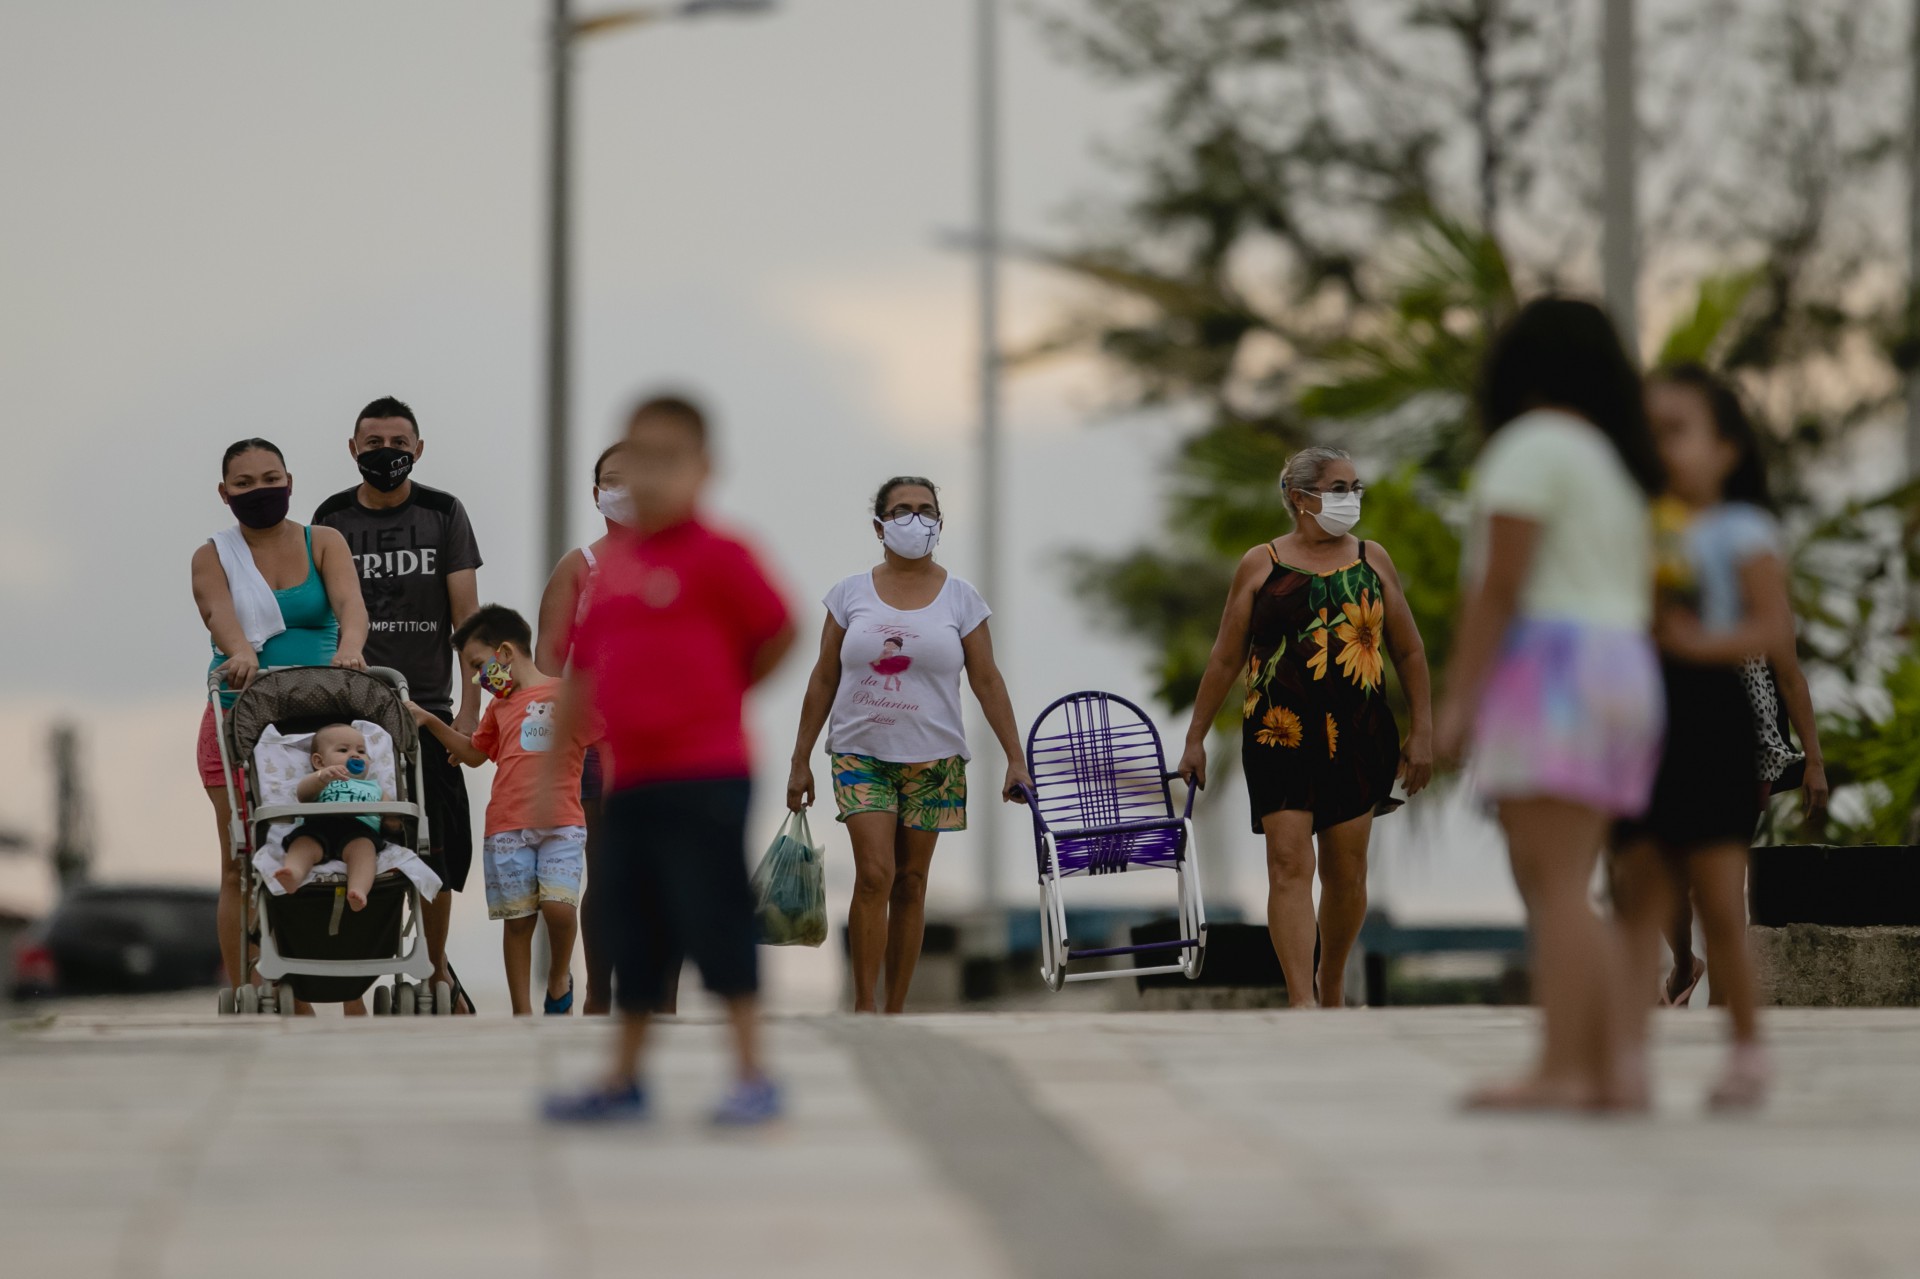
column 356, row 766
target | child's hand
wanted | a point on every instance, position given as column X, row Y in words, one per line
column 1678, row 632
column 336, row 773
column 420, row 713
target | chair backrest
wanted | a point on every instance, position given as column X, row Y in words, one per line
column 303, row 698
column 1096, row 761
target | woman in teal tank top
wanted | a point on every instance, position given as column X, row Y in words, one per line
column 312, row 637
column 312, row 575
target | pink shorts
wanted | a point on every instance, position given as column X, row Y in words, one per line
column 1571, row 712
column 207, row 754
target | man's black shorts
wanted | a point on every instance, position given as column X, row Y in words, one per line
column 673, row 867
column 449, row 820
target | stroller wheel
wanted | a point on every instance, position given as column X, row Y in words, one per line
column 442, row 999
column 402, row 999
column 382, row 1001
column 249, row 1000
column 225, row 1006
column 283, row 1000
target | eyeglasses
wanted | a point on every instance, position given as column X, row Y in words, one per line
column 926, row 513
column 1337, row 490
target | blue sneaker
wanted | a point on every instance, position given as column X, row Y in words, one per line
column 748, row 1104
column 597, row 1105
column 562, row 1006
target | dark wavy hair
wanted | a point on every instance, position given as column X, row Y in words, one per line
column 1747, row 482
column 1564, row 353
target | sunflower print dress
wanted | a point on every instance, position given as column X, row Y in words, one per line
column 1316, row 734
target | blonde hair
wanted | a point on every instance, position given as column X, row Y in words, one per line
column 1303, row 470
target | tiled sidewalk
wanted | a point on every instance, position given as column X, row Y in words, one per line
column 136, row 1142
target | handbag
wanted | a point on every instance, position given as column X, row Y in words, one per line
column 1776, row 762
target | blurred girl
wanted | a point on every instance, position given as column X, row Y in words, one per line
column 1554, row 679
column 1722, row 598
column 1688, row 388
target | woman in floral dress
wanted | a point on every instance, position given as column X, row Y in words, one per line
column 1310, row 622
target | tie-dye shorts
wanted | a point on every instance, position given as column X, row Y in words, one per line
column 929, row 796
column 1571, row 711
column 527, row 867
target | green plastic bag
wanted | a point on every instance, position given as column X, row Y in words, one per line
column 790, row 888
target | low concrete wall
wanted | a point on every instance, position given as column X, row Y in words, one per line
column 1820, row 966
column 1188, row 998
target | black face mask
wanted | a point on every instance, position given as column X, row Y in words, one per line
column 261, row 507
column 385, row 468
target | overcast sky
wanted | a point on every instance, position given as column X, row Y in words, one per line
column 232, row 219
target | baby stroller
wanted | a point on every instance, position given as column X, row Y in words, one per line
column 1102, row 803
column 310, row 944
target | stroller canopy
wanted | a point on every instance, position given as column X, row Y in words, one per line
column 303, row 698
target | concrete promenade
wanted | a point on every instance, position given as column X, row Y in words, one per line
column 152, row 1140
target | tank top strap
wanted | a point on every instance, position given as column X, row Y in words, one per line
column 586, row 553
column 1272, row 554
column 1363, row 554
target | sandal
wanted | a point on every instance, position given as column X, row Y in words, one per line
column 562, row 1006
column 1669, row 998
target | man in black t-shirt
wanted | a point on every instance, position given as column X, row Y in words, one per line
column 417, row 559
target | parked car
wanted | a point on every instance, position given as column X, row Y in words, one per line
column 121, row 938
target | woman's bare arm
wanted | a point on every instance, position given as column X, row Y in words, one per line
column 990, row 689
column 214, row 598
column 815, row 706
column 1409, row 653
column 559, row 602
column 342, row 580
column 1224, row 662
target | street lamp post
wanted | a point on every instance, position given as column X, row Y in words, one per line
column 563, row 32
column 559, row 275
column 1619, row 206
column 987, row 194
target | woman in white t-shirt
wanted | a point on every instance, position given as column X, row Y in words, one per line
column 1554, row 676
column 887, row 689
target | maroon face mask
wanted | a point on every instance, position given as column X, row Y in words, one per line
column 261, row 507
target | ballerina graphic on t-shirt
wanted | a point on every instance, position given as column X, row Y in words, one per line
column 893, row 660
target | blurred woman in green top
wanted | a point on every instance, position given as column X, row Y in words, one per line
column 311, row 574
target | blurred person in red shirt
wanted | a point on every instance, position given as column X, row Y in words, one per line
column 681, row 623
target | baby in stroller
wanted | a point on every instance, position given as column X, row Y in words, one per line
column 342, row 774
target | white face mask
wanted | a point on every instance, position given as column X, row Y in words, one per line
column 616, row 505
column 1338, row 512
column 911, row 537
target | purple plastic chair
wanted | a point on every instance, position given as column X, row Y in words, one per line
column 1102, row 803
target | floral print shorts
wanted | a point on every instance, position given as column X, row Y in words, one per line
column 929, row 796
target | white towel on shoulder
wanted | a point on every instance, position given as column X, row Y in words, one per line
column 253, row 600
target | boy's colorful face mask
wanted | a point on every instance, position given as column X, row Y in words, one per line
column 496, row 677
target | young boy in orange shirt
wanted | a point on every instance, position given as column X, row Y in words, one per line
column 535, row 849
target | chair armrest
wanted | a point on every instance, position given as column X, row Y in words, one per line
column 1192, row 790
